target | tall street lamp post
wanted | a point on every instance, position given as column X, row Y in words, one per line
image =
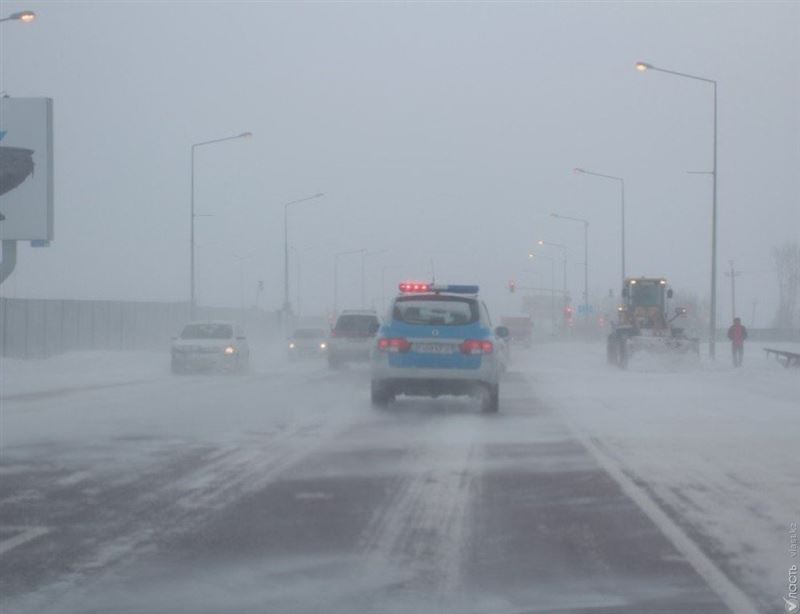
column 585, row 257
column 532, row 256
column 563, row 249
column 286, row 303
column 192, row 216
column 582, row 171
column 712, row 333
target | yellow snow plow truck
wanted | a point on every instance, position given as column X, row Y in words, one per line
column 643, row 324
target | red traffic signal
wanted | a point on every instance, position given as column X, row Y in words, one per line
column 512, row 285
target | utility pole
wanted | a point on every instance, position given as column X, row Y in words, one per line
column 733, row 275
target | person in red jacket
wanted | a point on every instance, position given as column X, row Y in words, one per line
column 737, row 334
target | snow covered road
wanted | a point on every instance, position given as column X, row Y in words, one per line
column 285, row 491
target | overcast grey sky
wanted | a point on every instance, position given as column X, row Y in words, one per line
column 438, row 131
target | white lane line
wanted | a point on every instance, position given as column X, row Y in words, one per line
column 730, row 594
column 26, row 534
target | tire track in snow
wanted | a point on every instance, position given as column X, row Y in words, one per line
column 423, row 529
column 159, row 508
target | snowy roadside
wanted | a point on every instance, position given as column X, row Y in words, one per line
column 716, row 446
column 77, row 370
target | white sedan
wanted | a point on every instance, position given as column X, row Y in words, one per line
column 214, row 345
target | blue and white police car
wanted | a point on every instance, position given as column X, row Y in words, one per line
column 438, row 340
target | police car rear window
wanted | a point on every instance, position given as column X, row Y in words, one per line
column 436, row 310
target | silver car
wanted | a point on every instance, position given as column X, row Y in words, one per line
column 352, row 336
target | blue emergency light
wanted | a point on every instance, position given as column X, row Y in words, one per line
column 457, row 289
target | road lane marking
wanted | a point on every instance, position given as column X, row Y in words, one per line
column 26, row 534
column 730, row 594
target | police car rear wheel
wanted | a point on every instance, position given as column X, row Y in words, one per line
column 490, row 400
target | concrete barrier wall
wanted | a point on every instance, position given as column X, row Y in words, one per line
column 37, row 328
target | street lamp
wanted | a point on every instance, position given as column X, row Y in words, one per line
column 286, row 305
column 642, row 67
column 23, row 16
column 563, row 249
column 585, row 257
column 192, row 216
column 535, row 256
column 582, row 171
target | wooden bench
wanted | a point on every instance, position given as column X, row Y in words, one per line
column 789, row 359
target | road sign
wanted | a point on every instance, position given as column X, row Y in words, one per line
column 26, row 168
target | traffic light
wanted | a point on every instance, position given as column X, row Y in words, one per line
column 512, row 285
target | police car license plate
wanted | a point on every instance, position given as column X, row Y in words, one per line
column 433, row 348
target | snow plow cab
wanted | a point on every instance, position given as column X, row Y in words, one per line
column 644, row 325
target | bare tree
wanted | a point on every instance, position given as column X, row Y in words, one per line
column 787, row 263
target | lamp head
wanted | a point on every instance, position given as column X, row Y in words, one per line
column 24, row 16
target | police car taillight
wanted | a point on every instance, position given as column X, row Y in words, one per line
column 394, row 344
column 412, row 286
column 476, row 346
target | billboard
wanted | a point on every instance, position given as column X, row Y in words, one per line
column 26, row 169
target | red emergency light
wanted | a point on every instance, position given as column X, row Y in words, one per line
column 413, row 286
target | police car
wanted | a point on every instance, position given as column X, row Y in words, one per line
column 437, row 340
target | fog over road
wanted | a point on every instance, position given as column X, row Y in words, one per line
column 285, row 491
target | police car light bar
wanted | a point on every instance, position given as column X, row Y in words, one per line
column 409, row 287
